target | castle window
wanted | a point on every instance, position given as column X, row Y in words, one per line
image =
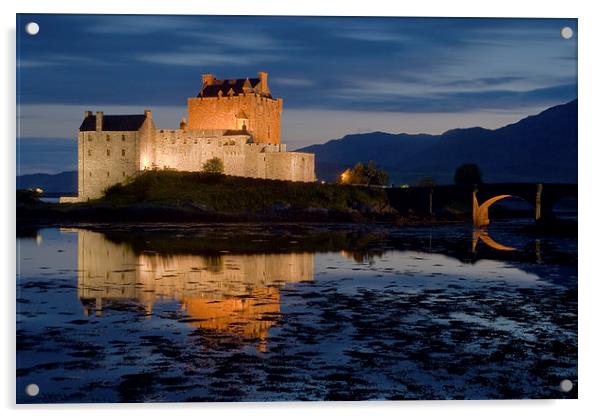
column 108, row 173
column 123, row 153
column 90, row 174
column 108, row 138
column 89, row 137
column 123, row 138
column 108, row 153
column 89, row 153
column 123, row 174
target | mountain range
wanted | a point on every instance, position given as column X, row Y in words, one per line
column 539, row 148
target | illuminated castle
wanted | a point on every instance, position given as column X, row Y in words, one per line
column 237, row 121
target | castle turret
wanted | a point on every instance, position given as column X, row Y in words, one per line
column 208, row 79
column 99, row 117
column 263, row 82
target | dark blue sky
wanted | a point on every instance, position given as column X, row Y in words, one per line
column 336, row 75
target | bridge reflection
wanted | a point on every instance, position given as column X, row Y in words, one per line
column 479, row 234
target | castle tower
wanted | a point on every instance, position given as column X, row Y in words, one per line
column 220, row 104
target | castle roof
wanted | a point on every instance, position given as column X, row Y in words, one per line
column 237, row 86
column 114, row 123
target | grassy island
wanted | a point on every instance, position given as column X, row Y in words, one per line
column 173, row 196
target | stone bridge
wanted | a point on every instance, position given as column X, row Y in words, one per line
column 428, row 200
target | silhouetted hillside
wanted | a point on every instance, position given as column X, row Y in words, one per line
column 538, row 148
column 65, row 182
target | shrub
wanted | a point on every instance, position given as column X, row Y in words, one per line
column 365, row 174
column 213, row 166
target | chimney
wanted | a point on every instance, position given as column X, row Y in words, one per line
column 263, row 80
column 87, row 114
column 99, row 121
column 208, row 79
column 148, row 114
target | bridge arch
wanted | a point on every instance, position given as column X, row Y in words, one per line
column 480, row 212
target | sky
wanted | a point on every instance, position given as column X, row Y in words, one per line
column 336, row 75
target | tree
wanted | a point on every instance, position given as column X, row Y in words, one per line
column 213, row 166
column 368, row 174
column 426, row 181
column 468, row 174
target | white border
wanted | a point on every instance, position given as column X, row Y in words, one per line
column 590, row 140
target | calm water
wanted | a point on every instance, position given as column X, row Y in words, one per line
column 256, row 313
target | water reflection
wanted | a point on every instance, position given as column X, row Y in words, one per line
column 222, row 292
column 257, row 313
column 480, row 234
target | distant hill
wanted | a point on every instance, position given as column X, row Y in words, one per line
column 65, row 182
column 540, row 148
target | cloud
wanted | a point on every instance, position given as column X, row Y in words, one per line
column 136, row 25
column 53, row 60
column 484, row 81
column 26, row 63
column 204, row 59
column 295, row 82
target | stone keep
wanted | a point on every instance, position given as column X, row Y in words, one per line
column 237, row 121
column 241, row 104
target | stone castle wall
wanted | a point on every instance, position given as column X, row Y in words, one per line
column 186, row 150
column 294, row 166
column 263, row 115
column 106, row 158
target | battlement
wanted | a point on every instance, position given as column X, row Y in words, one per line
column 212, row 87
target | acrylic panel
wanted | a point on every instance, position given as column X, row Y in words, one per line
column 287, row 208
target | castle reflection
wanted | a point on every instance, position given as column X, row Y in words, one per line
column 233, row 293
